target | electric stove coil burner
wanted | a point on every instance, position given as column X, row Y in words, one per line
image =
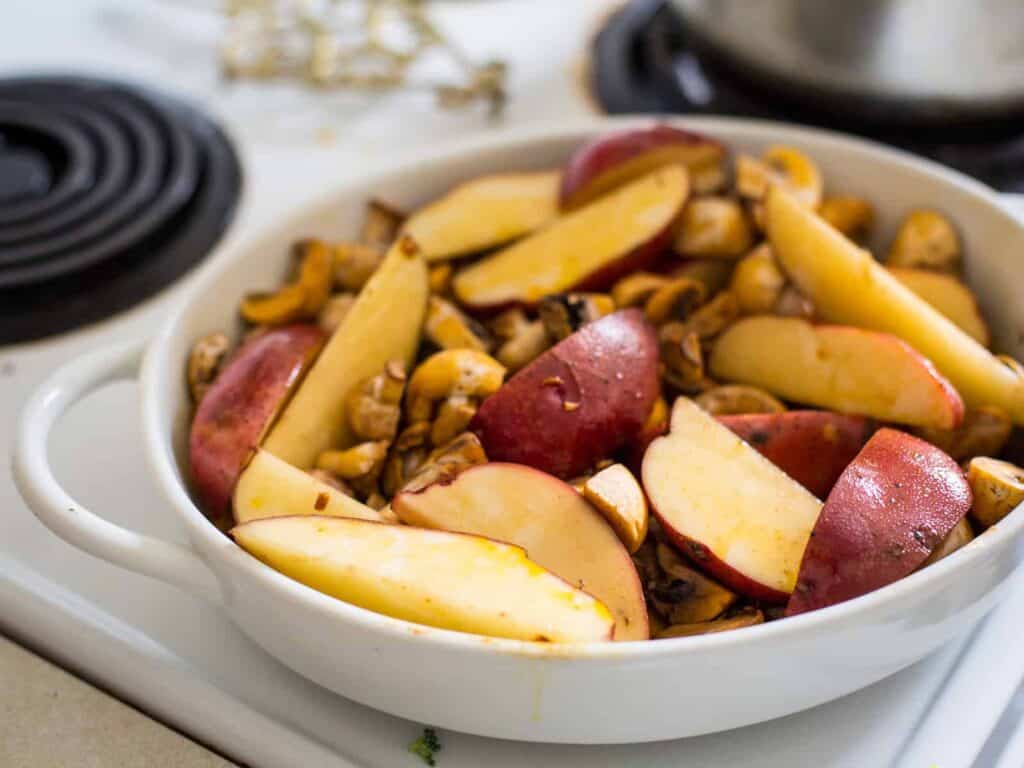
column 108, row 193
column 644, row 60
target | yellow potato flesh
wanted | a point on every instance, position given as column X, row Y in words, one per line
column 485, row 212
column 949, row 296
column 383, row 324
column 848, row 286
column 448, row 580
column 844, row 369
column 269, row 487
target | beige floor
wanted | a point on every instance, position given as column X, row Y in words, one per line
column 51, row 719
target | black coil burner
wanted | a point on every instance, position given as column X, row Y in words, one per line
column 643, row 60
column 108, row 193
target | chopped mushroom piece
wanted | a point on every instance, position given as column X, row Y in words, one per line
column 204, row 363
column 682, row 359
column 334, row 311
column 713, row 227
column 926, row 240
column 683, row 595
column 286, row 305
column 315, row 274
column 408, row 453
column 354, row 264
column 440, row 278
column 715, row 316
column 373, row 406
column 508, row 324
column 983, row 432
column 998, row 487
column 961, row 534
column 444, row 464
column 617, row 495
column 453, row 416
column 522, row 349
column 636, row 288
column 675, row 300
column 450, row 328
column 748, row 617
column 565, row 313
column 736, row 398
column 359, row 466
column 451, row 373
column 380, row 224
column 713, row 274
column 757, row 282
column 853, row 216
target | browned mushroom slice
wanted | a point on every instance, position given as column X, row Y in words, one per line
column 677, row 299
column 683, row 595
column 530, row 341
column 315, row 274
column 735, row 398
column 715, row 316
column 204, row 363
column 373, row 407
column 682, row 360
column 354, row 264
column 334, row 311
column 464, row 373
column 636, row 288
column 440, row 278
column 853, row 216
column 380, row 224
column 748, row 617
column 713, row 274
column 360, row 466
column 565, row 313
column 286, row 305
column 453, row 416
column 983, row 432
column 450, row 328
column 926, row 240
column 408, row 453
column 447, row 462
column 998, row 487
column 757, row 282
column 713, row 227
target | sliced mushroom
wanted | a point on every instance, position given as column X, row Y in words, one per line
column 683, row 595
column 984, row 431
column 453, row 416
column 373, row 406
column 440, row 278
column 713, row 274
column 635, row 289
column 380, row 224
column 735, row 398
column 713, row 227
column 853, row 216
column 565, row 313
column 925, row 240
column 360, row 466
column 204, row 363
column 354, row 264
column 286, row 305
column 519, row 351
column 998, row 487
column 334, row 311
column 748, row 617
column 715, row 316
column 376, row 501
column 961, row 534
column 792, row 303
column 507, row 324
column 444, row 464
column 780, row 165
column 407, row 455
column 449, row 327
column 675, row 300
column 315, row 274
column 451, row 373
column 617, row 495
column 682, row 360
column 757, row 282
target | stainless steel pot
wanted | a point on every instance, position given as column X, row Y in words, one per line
column 940, row 58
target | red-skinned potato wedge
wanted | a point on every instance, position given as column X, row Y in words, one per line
column 894, row 504
column 846, row 285
column 269, row 487
column 578, row 402
column 731, row 511
column 440, row 579
column 484, row 213
column 240, row 406
column 949, row 296
column 840, row 368
column 554, row 524
column 587, row 249
column 612, row 160
column 812, row 447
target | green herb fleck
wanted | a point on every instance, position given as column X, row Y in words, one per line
column 426, row 746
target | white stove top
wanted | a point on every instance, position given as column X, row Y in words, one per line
column 181, row 660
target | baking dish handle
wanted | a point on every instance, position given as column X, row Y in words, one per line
column 67, row 518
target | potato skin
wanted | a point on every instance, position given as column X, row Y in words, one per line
column 239, row 406
column 812, row 447
column 893, row 505
column 578, row 402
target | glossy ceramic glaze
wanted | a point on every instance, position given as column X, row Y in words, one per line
column 600, row 693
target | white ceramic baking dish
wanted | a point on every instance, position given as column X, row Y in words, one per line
column 594, row 693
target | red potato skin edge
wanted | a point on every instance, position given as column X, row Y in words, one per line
column 897, row 501
column 812, row 447
column 233, row 416
column 608, row 368
column 590, row 163
column 705, row 560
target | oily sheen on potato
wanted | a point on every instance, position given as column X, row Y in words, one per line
column 894, row 504
column 848, row 286
column 578, row 402
column 731, row 511
column 554, row 524
column 233, row 416
column 440, row 579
